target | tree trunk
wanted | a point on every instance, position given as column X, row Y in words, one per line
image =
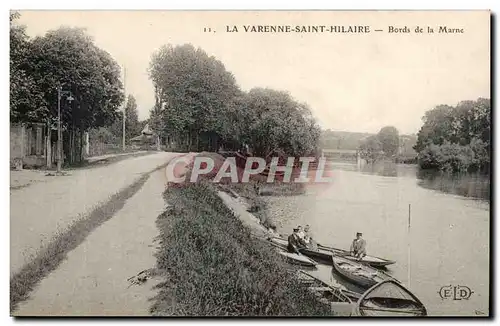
column 72, row 145
column 80, row 156
column 189, row 141
column 48, row 146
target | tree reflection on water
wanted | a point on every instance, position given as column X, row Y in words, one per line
column 474, row 185
column 471, row 185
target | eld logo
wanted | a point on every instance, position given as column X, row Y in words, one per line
column 455, row 292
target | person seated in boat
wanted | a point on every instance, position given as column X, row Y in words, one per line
column 300, row 232
column 308, row 239
column 358, row 246
column 295, row 242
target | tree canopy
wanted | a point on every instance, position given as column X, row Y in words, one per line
column 66, row 58
column 389, row 140
column 456, row 139
column 384, row 144
column 197, row 95
column 27, row 103
column 195, row 89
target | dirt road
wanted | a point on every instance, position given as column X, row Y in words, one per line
column 42, row 210
column 93, row 280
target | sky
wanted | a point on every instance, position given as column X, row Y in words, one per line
column 352, row 82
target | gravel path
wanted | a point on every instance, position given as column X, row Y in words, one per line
column 93, row 280
column 40, row 211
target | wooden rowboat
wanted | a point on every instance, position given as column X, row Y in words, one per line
column 338, row 292
column 325, row 253
column 367, row 260
column 389, row 298
column 291, row 257
column 321, row 254
column 359, row 274
column 333, row 296
column 297, row 259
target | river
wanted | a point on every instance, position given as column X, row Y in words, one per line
column 447, row 243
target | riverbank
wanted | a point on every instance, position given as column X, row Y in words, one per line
column 214, row 267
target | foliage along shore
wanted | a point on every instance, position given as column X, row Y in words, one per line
column 214, row 267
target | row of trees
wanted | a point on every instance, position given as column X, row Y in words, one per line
column 456, row 139
column 66, row 58
column 199, row 104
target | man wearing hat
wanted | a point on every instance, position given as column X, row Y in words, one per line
column 358, row 246
column 294, row 241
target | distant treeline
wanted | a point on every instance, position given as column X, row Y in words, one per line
column 387, row 143
column 456, row 139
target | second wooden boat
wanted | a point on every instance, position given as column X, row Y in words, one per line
column 333, row 296
column 359, row 274
column 297, row 258
column 390, row 298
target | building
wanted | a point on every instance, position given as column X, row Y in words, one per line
column 146, row 139
column 30, row 146
column 33, row 146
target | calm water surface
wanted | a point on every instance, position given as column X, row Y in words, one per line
column 448, row 237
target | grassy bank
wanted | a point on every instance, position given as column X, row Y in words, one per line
column 214, row 267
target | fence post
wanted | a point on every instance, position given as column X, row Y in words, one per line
column 87, row 144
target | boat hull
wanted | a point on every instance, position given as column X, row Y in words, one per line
column 359, row 274
column 297, row 259
column 389, row 298
column 324, row 253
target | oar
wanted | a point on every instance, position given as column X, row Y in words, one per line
column 412, row 311
column 342, row 290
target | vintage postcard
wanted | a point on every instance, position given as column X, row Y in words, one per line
column 250, row 163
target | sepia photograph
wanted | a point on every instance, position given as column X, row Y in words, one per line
column 257, row 163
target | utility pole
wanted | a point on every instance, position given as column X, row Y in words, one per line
column 59, row 133
column 409, row 245
column 124, row 106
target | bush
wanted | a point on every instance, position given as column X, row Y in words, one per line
column 215, row 268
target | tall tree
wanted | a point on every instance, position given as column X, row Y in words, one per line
column 26, row 98
column 389, row 139
column 68, row 58
column 276, row 122
column 436, row 128
column 194, row 90
column 132, row 126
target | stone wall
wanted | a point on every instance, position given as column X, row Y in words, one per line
column 27, row 145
